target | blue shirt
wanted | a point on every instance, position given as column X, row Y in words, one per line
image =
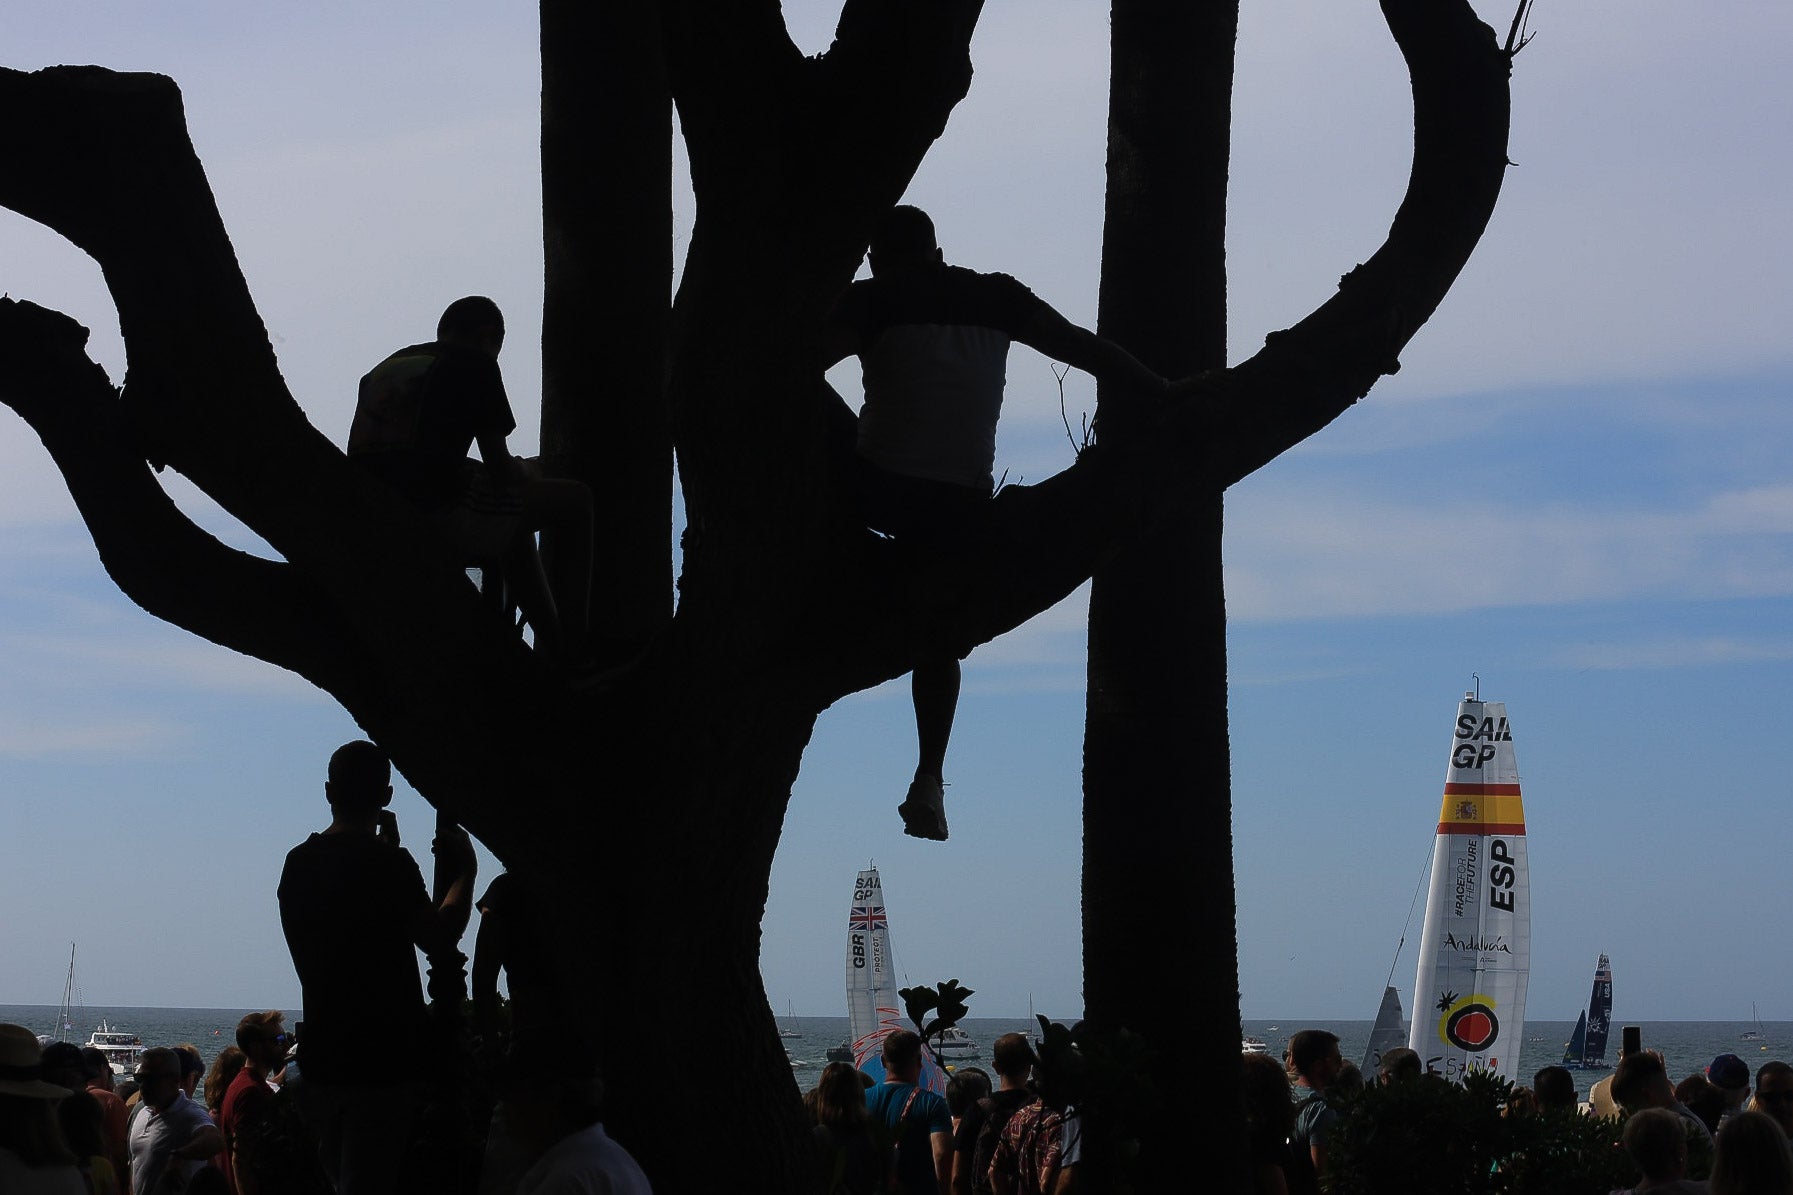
column 914, row 1132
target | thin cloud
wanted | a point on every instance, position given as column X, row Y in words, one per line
column 1673, row 652
column 36, row 736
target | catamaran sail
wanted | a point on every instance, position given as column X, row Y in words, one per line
column 873, row 1011
column 1577, row 1046
column 1475, row 949
column 1587, row 1046
column 1389, row 1032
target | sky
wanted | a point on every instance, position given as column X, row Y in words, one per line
column 1577, row 489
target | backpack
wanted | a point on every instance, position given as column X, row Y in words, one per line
column 996, row 1116
column 1298, row 1164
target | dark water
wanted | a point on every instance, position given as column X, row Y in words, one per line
column 1687, row 1046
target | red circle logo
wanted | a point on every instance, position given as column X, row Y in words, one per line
column 1473, row 1027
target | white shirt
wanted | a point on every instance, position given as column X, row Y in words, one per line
column 587, row 1162
column 156, row 1135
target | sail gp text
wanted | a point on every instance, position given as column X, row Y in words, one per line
column 1477, row 748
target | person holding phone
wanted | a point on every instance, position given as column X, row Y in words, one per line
column 354, row 909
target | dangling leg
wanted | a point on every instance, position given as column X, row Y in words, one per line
column 934, row 687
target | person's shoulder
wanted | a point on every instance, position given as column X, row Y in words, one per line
column 995, row 282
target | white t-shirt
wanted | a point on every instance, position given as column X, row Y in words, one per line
column 156, row 1135
column 587, row 1162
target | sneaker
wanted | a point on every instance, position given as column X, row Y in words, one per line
column 924, row 809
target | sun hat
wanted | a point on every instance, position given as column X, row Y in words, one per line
column 21, row 1065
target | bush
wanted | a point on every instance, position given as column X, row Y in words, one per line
column 1428, row 1135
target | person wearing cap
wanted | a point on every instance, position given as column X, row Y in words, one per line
column 172, row 1137
column 1730, row 1074
column 33, row 1158
column 354, row 909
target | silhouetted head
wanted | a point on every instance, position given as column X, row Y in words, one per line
column 159, row 1076
column 903, row 239
column 262, row 1037
column 1268, row 1110
column 1398, row 1065
column 1314, row 1056
column 225, row 1067
column 474, row 321
column 1703, row 1098
column 1656, row 1139
column 1750, row 1155
column 98, row 1066
column 192, row 1066
column 840, row 1096
column 360, row 778
column 1642, row 1082
column 1774, row 1093
column 1555, row 1088
column 967, row 1086
column 1012, row 1057
column 902, row 1056
column 64, row 1066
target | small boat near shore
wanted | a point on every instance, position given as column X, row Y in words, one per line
column 954, row 1045
column 122, row 1050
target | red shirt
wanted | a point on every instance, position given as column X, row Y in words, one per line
column 112, row 1125
column 246, row 1101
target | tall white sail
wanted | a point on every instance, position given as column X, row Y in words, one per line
column 1475, row 949
column 874, row 1010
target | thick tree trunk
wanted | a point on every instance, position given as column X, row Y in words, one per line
column 1157, row 813
column 607, row 249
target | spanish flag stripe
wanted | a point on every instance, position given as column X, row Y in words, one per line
column 1481, row 790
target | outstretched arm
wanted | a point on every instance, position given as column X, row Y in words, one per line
column 1062, row 340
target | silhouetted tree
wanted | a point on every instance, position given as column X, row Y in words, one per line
column 639, row 803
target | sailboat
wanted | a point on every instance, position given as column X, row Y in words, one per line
column 1475, row 947
column 66, row 1010
column 788, row 1029
column 1756, row 1033
column 872, row 1003
column 1587, row 1046
column 1389, row 1033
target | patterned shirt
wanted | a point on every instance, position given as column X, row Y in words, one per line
column 1029, row 1149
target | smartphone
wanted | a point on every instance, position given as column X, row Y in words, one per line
column 1633, row 1042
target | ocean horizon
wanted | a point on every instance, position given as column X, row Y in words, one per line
column 1686, row 1046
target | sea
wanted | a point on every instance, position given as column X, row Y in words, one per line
column 1686, row 1046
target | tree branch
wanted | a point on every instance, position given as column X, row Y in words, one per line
column 1305, row 377
column 158, row 557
